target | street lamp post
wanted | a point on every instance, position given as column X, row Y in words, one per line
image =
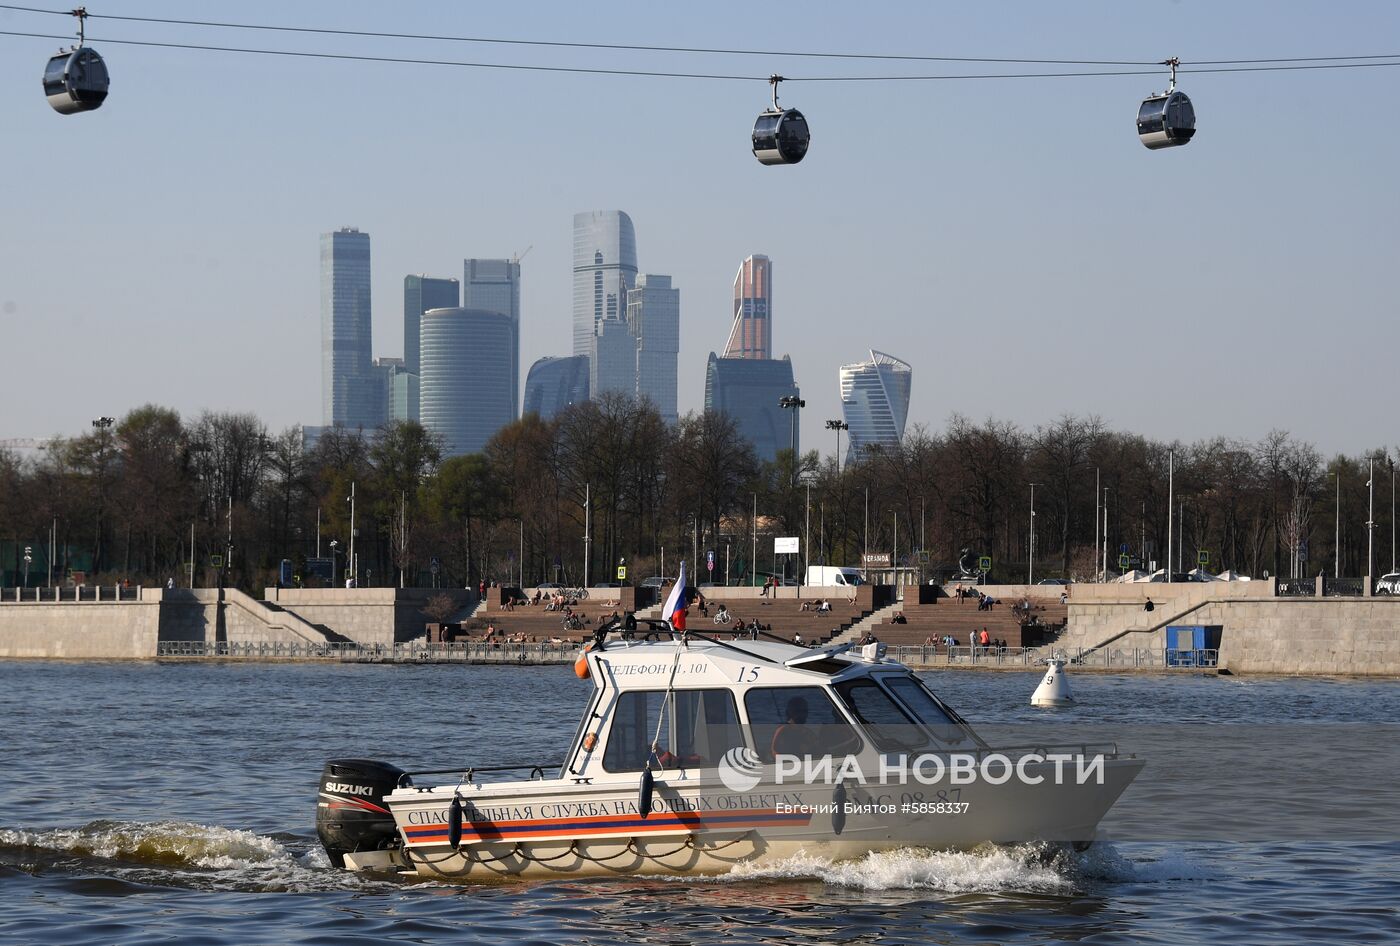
column 28, row 557
column 838, row 426
column 351, row 563
column 753, row 563
column 807, row 542
column 1370, row 519
column 1337, row 537
column 794, row 404
column 1105, row 533
column 1030, row 563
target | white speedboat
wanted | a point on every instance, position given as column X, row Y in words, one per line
column 695, row 754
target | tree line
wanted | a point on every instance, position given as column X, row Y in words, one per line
column 609, row 483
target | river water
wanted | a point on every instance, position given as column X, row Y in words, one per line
column 174, row 803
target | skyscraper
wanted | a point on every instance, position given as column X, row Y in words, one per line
column 875, row 401
column 654, row 319
column 468, row 359
column 421, row 293
column 612, row 365
column 554, row 384
column 605, row 267
column 748, row 390
column 493, row 285
column 751, row 335
column 349, row 392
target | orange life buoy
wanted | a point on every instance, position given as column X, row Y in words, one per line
column 581, row 664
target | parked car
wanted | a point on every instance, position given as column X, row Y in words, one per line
column 656, row 581
column 1053, row 581
column 1388, row 584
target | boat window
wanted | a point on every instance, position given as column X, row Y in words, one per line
column 892, row 729
column 917, row 700
column 700, row 727
column 800, row 721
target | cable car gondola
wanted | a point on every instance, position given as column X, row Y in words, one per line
column 780, row 136
column 76, row 79
column 1166, row 119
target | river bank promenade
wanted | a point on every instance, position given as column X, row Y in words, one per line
column 1264, row 627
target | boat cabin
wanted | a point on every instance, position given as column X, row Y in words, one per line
column 750, row 701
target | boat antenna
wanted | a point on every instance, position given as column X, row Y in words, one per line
column 645, row 788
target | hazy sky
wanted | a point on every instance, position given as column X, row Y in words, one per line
column 1011, row 239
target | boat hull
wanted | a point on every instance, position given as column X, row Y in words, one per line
column 700, row 826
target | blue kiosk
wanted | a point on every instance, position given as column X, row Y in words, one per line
column 1193, row 645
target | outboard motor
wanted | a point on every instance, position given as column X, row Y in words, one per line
column 350, row 811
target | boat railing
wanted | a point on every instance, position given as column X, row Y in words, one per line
column 537, row 772
column 1108, row 750
column 1112, row 658
column 540, row 652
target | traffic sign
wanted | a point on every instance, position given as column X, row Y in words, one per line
column 1124, row 561
column 216, row 561
column 435, row 565
column 710, row 559
column 622, row 573
column 984, row 563
column 1123, row 549
column 1203, row 558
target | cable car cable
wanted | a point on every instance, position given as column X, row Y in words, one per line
column 579, row 70
column 687, row 49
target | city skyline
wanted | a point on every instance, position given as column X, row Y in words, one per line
column 961, row 236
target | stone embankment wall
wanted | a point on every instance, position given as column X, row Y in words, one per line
column 1261, row 633
column 366, row 615
column 85, row 630
column 1099, row 612
column 130, row 629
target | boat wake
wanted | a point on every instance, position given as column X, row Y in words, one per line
column 178, row 853
column 1026, row 868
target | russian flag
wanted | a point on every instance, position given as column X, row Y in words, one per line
column 677, row 601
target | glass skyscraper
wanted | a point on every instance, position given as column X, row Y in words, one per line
column 349, row 388
column 875, row 401
column 468, row 369
column 654, row 319
column 748, row 390
column 421, row 293
column 613, row 362
column 554, row 384
column 751, row 334
column 605, row 267
column 493, row 285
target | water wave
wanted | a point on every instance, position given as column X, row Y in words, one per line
column 1025, row 868
column 178, row 853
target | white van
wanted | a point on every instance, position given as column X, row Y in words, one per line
column 833, row 575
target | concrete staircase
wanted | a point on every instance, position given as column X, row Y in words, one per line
column 275, row 618
column 868, row 623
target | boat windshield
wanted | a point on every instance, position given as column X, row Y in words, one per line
column 892, row 729
column 927, row 710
